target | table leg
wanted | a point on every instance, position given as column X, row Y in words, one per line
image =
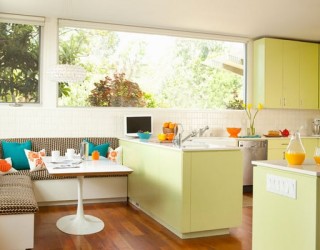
column 80, row 224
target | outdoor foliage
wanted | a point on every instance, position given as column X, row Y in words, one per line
column 117, row 92
column 19, row 63
column 203, row 86
column 176, row 75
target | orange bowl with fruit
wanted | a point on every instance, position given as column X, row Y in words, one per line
column 168, row 127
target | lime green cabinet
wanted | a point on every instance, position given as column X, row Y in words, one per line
column 309, row 75
column 277, row 147
column 192, row 193
column 286, row 74
column 280, row 222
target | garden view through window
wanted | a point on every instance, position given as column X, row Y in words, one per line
column 19, row 63
column 126, row 69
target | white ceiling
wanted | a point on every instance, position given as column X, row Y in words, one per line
column 293, row 19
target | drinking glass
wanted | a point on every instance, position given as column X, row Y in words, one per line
column 316, row 155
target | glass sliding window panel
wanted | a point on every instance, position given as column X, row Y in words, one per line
column 128, row 69
column 19, row 62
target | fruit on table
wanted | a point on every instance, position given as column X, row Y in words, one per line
column 166, row 125
column 145, row 132
column 273, row 133
column 162, row 137
column 170, row 136
column 284, row 132
column 172, row 125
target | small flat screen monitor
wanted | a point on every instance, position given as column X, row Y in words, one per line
column 134, row 123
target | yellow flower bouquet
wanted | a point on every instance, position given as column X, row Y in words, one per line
column 252, row 117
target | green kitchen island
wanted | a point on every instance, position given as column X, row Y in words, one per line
column 194, row 192
column 286, row 211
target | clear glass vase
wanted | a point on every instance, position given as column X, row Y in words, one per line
column 295, row 152
column 251, row 131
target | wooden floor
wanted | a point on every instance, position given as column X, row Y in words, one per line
column 128, row 228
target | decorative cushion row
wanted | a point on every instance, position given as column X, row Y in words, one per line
column 60, row 143
column 24, row 152
column 16, row 195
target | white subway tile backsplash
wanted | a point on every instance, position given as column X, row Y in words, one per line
column 74, row 122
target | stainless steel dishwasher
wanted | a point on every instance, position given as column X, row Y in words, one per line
column 254, row 149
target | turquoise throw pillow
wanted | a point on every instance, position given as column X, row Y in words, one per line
column 15, row 151
column 102, row 148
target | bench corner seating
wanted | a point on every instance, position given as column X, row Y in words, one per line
column 21, row 193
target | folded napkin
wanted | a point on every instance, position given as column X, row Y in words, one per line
column 250, row 136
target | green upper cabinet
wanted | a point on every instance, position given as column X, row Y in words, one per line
column 309, row 75
column 286, row 74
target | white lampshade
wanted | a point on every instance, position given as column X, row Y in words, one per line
column 67, row 73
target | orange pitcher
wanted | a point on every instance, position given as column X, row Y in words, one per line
column 295, row 153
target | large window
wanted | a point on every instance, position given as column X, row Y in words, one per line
column 19, row 61
column 127, row 69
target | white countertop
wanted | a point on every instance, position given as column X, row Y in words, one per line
column 308, row 167
column 103, row 166
column 206, row 146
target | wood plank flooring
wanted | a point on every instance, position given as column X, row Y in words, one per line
column 126, row 227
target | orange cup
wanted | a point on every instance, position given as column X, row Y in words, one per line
column 95, row 155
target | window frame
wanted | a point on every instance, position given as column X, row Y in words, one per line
column 160, row 31
column 28, row 20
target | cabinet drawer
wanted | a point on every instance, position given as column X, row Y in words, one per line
column 278, row 143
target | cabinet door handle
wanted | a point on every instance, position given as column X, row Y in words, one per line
column 284, row 144
column 284, row 102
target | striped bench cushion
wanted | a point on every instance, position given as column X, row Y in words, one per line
column 44, row 175
column 16, row 195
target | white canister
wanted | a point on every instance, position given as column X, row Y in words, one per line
column 55, row 155
column 70, row 153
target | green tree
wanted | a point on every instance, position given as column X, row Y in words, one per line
column 19, row 62
column 117, row 92
column 194, row 84
column 90, row 49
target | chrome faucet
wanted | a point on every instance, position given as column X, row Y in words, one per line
column 192, row 134
column 178, row 130
column 202, row 130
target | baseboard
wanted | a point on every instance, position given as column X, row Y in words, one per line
column 247, row 189
column 74, row 202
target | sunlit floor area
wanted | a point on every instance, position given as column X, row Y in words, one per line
column 126, row 227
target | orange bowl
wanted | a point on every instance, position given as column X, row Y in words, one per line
column 233, row 132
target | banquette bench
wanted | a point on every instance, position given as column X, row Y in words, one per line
column 22, row 192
